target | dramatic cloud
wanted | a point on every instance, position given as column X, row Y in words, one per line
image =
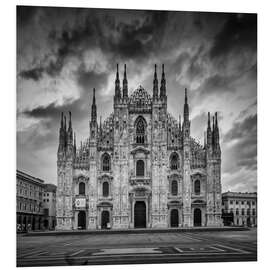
column 239, row 33
column 63, row 53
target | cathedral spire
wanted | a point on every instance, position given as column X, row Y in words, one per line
column 155, row 84
column 216, row 132
column 163, row 84
column 94, row 108
column 70, row 123
column 62, row 120
column 65, row 123
column 100, row 125
column 74, row 145
column 186, row 108
column 125, row 84
column 117, row 86
column 209, row 122
column 69, row 131
column 65, row 131
column 208, row 131
column 61, row 134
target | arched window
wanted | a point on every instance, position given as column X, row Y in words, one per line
column 106, row 163
column 140, row 168
column 105, row 189
column 197, row 187
column 140, row 131
column 174, row 162
column 82, row 188
column 174, row 188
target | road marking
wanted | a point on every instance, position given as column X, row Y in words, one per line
column 116, row 251
column 77, row 252
column 219, row 249
column 36, row 252
column 235, row 249
column 67, row 244
column 178, row 249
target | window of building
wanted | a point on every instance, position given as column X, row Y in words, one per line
column 47, row 200
column 236, row 202
column 140, row 168
column 253, row 203
column 140, row 131
column 81, row 188
column 231, row 202
column 248, row 212
column 174, row 161
column 105, row 189
column 106, row 163
column 243, row 202
column 243, row 212
column 197, row 187
column 253, row 212
column 174, row 188
column 231, row 210
column 237, row 211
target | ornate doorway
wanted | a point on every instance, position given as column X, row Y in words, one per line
column 197, row 217
column 81, row 220
column 105, row 219
column 140, row 215
column 174, row 218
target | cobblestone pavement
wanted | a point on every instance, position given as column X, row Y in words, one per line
column 133, row 248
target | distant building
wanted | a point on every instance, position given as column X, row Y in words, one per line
column 49, row 206
column 239, row 209
column 29, row 202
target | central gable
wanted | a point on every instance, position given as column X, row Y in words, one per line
column 140, row 101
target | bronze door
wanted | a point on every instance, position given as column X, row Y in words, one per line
column 140, row 215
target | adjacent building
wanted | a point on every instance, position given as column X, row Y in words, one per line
column 29, row 202
column 239, row 208
column 49, row 206
column 140, row 167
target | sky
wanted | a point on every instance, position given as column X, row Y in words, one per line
column 63, row 53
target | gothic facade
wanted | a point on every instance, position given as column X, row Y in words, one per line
column 140, row 168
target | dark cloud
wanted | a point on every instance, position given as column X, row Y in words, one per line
column 217, row 83
column 25, row 14
column 244, row 150
column 91, row 79
column 34, row 73
column 136, row 39
column 242, row 130
column 239, row 32
column 53, row 110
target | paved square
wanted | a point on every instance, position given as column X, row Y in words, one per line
column 132, row 248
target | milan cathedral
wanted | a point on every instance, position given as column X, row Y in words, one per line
column 140, row 168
